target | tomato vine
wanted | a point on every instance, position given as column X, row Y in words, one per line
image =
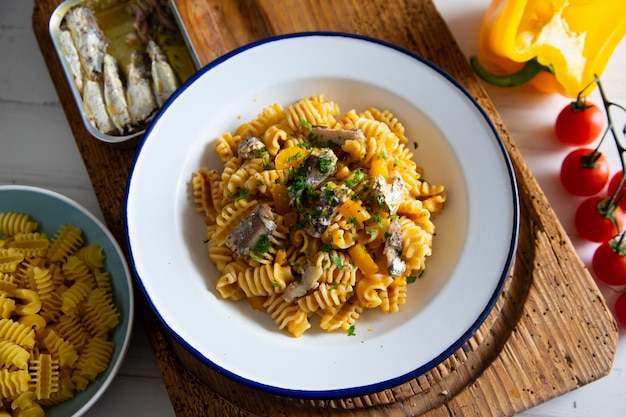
column 598, row 219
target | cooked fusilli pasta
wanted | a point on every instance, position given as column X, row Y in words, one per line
column 317, row 214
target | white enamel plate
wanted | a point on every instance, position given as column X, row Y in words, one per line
column 474, row 246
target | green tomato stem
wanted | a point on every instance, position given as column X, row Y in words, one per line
column 590, row 160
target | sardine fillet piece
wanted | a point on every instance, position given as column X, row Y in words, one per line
column 90, row 41
column 114, row 96
column 246, row 234
column 95, row 107
column 139, row 96
column 71, row 56
column 164, row 80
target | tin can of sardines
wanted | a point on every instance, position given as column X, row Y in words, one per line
column 123, row 59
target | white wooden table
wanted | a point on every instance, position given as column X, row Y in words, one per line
column 37, row 148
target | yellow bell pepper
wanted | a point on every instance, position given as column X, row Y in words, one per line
column 557, row 46
column 354, row 209
column 363, row 260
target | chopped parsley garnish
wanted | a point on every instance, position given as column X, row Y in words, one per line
column 300, row 189
column 294, row 157
column 376, row 219
column 326, row 247
column 263, row 152
column 306, row 124
column 325, row 164
column 263, row 244
column 415, row 145
column 351, row 331
column 329, row 193
column 412, row 278
column 243, row 194
column 356, row 178
column 337, row 261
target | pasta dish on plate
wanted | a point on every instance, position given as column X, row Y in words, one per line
column 316, row 213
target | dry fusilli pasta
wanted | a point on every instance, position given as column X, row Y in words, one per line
column 56, row 315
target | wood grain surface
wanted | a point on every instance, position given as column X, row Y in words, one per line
column 549, row 333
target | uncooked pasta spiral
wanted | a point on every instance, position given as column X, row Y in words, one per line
column 13, row 223
column 13, row 355
column 92, row 256
column 31, row 245
column 67, row 240
column 10, row 258
column 44, row 375
column 18, row 333
column 13, row 382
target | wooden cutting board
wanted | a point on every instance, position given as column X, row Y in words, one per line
column 550, row 331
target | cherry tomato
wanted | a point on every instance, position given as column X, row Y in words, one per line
column 584, row 172
column 579, row 124
column 613, row 184
column 595, row 226
column 620, row 309
column 609, row 264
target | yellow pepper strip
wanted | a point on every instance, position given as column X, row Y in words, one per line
column 379, row 167
column 290, row 158
column 363, row 260
column 354, row 209
column 557, row 46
